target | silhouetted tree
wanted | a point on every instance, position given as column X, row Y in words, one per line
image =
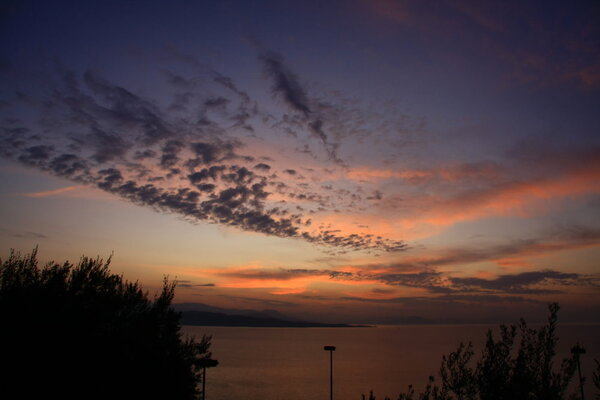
column 533, row 373
column 504, row 373
column 494, row 370
column 457, row 377
column 596, row 379
column 78, row 331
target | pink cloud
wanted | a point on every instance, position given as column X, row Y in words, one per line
column 74, row 191
column 524, row 198
column 449, row 173
column 67, row 190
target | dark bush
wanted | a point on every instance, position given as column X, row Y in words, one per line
column 78, row 331
column 504, row 372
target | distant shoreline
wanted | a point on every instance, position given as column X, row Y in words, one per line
column 206, row 318
column 316, row 325
column 273, row 319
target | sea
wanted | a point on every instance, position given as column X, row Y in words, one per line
column 291, row 364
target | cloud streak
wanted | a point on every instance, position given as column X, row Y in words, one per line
column 196, row 152
column 286, row 85
column 67, row 190
column 106, row 136
column 428, row 275
column 516, row 283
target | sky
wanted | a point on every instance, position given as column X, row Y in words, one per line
column 361, row 161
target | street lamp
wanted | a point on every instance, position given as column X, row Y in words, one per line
column 330, row 349
column 577, row 351
column 205, row 363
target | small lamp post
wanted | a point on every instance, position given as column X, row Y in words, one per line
column 577, row 351
column 330, row 349
column 205, row 363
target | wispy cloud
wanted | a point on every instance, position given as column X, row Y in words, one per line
column 287, row 86
column 561, row 238
column 194, row 165
column 447, row 195
column 432, row 275
column 64, row 191
column 198, row 152
column 447, row 299
column 516, row 283
column 30, row 235
column 190, row 285
column 452, row 173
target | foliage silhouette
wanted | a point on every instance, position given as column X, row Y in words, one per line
column 78, row 331
column 596, row 379
column 503, row 372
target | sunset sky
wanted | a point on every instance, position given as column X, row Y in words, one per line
column 342, row 161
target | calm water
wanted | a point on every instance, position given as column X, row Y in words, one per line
column 290, row 363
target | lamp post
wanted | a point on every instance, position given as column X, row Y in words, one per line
column 330, row 349
column 577, row 351
column 206, row 363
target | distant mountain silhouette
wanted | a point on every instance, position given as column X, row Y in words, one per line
column 207, row 318
column 408, row 320
column 234, row 317
column 182, row 307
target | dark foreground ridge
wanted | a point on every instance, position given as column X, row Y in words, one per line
column 207, row 318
